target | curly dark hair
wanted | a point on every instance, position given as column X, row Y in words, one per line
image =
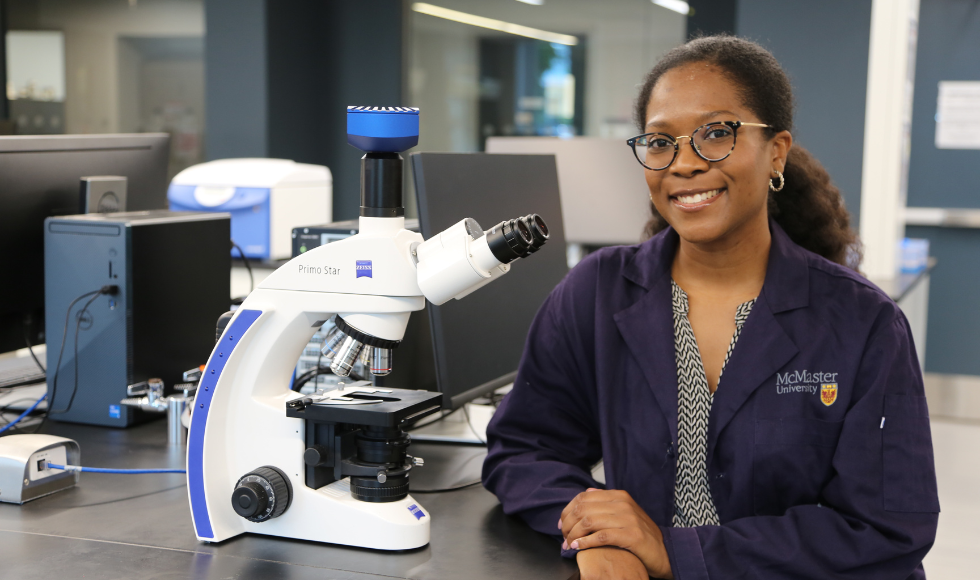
column 810, row 208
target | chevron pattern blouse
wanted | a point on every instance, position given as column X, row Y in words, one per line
column 693, row 505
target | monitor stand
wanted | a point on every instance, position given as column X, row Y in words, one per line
column 468, row 424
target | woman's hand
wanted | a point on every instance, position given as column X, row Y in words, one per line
column 610, row 564
column 611, row 518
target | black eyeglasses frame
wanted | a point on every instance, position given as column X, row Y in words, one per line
column 734, row 125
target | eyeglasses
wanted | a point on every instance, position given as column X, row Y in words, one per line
column 712, row 142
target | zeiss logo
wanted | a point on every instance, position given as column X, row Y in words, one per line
column 363, row 269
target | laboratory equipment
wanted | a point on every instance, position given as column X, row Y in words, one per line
column 149, row 396
column 266, row 198
column 171, row 273
column 332, row 467
column 23, row 473
column 41, row 179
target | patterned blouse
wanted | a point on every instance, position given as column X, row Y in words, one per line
column 693, row 505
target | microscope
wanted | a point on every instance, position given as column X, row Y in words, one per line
column 333, row 466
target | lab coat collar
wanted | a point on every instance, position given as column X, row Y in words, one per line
column 787, row 274
column 648, row 326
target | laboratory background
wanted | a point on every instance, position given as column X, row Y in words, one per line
column 175, row 317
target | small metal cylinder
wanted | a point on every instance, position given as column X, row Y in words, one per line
column 380, row 361
column 347, row 355
column 176, row 434
column 332, row 342
column 154, row 389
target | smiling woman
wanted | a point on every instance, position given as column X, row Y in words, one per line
column 758, row 405
column 811, row 208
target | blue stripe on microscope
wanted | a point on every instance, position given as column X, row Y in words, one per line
column 205, row 393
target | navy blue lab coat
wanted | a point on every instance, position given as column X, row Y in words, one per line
column 807, row 485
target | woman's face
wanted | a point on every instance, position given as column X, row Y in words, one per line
column 730, row 194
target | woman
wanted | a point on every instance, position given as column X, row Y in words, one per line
column 758, row 405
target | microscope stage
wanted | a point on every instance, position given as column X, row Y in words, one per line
column 398, row 408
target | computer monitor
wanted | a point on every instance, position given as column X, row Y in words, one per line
column 478, row 341
column 604, row 196
column 40, row 177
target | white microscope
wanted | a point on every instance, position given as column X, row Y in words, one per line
column 332, row 467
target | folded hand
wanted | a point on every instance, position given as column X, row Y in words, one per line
column 612, row 518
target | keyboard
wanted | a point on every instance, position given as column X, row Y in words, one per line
column 18, row 371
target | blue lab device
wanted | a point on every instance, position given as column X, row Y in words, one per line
column 383, row 129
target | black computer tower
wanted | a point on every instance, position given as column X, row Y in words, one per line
column 172, row 270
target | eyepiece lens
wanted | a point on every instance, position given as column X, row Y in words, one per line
column 524, row 231
column 541, row 226
column 517, row 238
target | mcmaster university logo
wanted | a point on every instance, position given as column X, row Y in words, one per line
column 805, row 382
column 363, row 269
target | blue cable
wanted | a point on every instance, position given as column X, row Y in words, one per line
column 106, row 470
column 24, row 414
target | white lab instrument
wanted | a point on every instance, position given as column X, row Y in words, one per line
column 266, row 198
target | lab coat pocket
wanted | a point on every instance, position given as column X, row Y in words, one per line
column 908, row 469
column 792, row 462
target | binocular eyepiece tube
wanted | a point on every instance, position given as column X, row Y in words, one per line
column 517, row 238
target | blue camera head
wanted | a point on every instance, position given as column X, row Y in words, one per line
column 383, row 129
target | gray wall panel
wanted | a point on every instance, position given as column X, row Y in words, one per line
column 824, row 48
column 949, row 50
column 235, row 78
column 281, row 73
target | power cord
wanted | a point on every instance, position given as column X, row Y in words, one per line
column 109, row 289
column 248, row 266
column 445, row 489
column 30, row 349
column 470, row 424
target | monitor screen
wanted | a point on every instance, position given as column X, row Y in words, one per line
column 478, row 340
column 590, row 168
column 41, row 178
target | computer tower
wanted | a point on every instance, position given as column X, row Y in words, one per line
column 172, row 270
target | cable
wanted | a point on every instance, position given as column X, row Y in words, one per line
column 61, row 350
column 107, row 289
column 30, row 349
column 107, row 470
column 24, row 414
column 472, row 428
column 251, row 279
column 78, row 325
column 455, row 488
column 306, row 377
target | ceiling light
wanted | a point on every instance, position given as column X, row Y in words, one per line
column 493, row 24
column 535, row 2
column 675, row 5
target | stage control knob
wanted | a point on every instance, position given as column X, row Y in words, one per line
column 262, row 494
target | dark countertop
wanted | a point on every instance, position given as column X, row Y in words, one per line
column 139, row 526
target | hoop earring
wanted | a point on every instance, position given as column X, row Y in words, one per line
column 782, row 182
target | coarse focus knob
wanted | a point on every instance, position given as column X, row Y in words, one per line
column 262, row 494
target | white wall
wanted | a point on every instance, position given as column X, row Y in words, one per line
column 624, row 40
column 92, row 59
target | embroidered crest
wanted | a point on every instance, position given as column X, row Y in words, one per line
column 828, row 393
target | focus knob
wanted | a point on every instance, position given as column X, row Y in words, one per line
column 262, row 494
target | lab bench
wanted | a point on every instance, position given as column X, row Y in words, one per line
column 139, row 526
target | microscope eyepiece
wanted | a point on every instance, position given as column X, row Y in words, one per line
column 539, row 231
column 510, row 240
